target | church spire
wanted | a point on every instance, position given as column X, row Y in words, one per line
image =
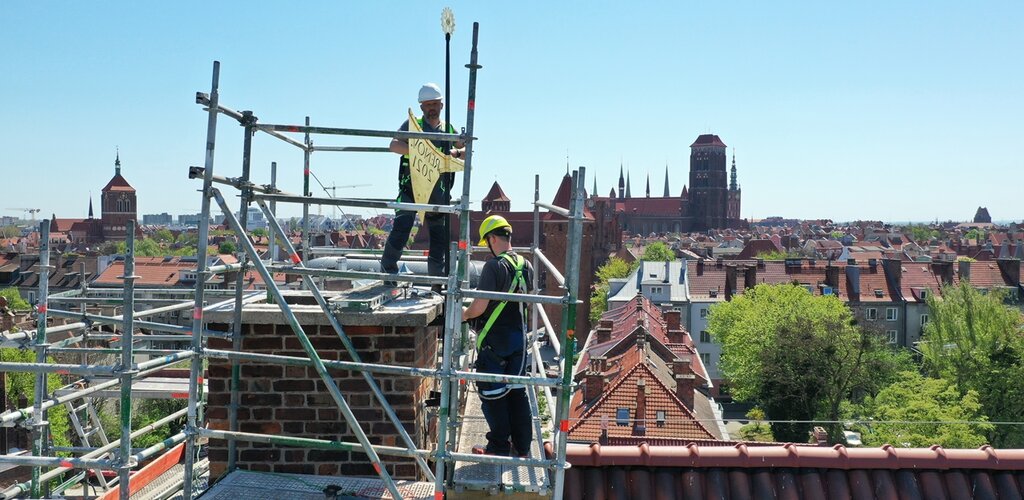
column 622, row 181
column 117, row 163
column 90, row 205
column 594, row 192
column 732, row 181
column 648, row 184
column 666, row 181
column 628, row 194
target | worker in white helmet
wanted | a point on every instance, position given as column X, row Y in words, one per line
column 431, row 103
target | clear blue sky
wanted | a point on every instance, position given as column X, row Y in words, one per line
column 874, row 110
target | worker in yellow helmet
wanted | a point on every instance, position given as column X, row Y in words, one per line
column 501, row 342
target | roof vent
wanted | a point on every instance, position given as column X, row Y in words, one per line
column 878, row 292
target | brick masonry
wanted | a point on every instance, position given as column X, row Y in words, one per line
column 293, row 400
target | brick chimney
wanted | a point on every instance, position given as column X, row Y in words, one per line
column 944, row 270
column 965, row 270
column 604, row 331
column 749, row 277
column 604, row 430
column 674, row 324
column 1010, row 270
column 640, row 417
column 853, row 282
column 730, row 282
column 700, row 267
column 832, row 276
column 593, row 384
column 873, row 265
column 686, row 381
column 820, row 436
column 894, row 273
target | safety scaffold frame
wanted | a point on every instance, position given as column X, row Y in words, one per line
column 451, row 372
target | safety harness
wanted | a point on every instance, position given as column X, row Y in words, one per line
column 518, row 263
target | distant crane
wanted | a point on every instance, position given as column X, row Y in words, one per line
column 333, row 194
column 31, row 211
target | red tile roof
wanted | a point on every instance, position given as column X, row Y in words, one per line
column 118, row 183
column 791, row 472
column 152, row 271
column 679, row 421
column 708, row 140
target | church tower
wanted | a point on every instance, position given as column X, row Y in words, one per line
column 708, row 183
column 118, row 205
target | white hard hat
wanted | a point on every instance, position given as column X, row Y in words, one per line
column 430, row 92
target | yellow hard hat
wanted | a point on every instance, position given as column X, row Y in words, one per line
column 490, row 224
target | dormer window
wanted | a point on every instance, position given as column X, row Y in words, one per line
column 622, row 416
column 660, row 418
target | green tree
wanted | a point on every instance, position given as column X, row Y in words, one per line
column 226, row 247
column 659, row 252
column 614, row 268
column 164, row 236
column 259, row 232
column 777, row 255
column 915, row 398
column 14, row 300
column 24, row 384
column 9, row 231
column 921, row 233
column 797, row 355
column 977, row 342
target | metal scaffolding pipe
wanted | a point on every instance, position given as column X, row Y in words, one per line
column 552, row 270
column 62, row 369
column 204, row 99
column 549, row 330
column 127, row 371
column 321, row 444
column 18, row 489
column 393, row 134
column 514, row 297
column 114, row 320
column 358, row 202
column 337, row 273
column 352, row 149
column 554, row 208
column 40, row 426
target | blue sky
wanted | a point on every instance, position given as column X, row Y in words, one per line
column 873, row 110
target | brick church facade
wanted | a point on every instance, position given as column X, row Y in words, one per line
column 118, row 205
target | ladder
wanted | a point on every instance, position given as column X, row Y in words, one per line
column 85, row 420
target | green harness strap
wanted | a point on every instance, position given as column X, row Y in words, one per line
column 518, row 281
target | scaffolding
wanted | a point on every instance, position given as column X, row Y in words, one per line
column 451, row 371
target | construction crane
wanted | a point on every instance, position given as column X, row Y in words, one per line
column 30, row 211
column 333, row 188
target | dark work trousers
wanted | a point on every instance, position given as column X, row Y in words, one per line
column 400, row 236
column 507, row 411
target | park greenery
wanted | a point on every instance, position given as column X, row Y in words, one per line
column 801, row 357
column 777, row 255
column 19, row 384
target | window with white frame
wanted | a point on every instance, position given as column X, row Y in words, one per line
column 891, row 313
column 892, row 336
column 924, row 319
column 705, row 358
column 705, row 337
column 871, row 313
column 660, row 418
column 656, row 290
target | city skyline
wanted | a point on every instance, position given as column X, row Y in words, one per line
column 839, row 112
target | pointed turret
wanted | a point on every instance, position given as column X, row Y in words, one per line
column 594, row 191
column 611, row 194
column 648, row 194
column 117, row 163
column 622, row 182
column 666, row 195
column 90, row 205
column 628, row 194
column 685, row 193
column 732, row 175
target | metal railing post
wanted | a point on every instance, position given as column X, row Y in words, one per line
column 195, row 372
column 127, row 370
column 40, row 427
column 248, row 120
column 567, row 338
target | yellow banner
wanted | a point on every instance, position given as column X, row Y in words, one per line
column 426, row 164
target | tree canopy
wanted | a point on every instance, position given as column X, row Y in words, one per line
column 797, row 355
column 14, row 300
column 977, row 342
column 915, row 398
column 659, row 252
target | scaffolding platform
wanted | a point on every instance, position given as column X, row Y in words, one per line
column 275, row 486
column 491, row 477
column 147, row 388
